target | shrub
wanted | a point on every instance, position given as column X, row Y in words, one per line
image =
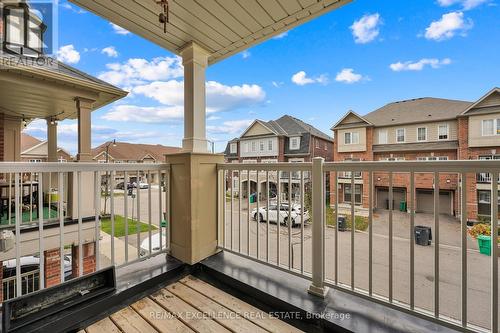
column 480, row 229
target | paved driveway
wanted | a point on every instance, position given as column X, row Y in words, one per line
column 449, row 250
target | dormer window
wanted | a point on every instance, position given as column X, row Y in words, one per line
column 233, row 148
column 295, row 143
column 23, row 31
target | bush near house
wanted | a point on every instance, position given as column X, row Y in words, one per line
column 481, row 229
column 133, row 225
column 361, row 222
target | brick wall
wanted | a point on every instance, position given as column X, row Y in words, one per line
column 89, row 259
column 327, row 153
column 52, row 262
column 1, row 137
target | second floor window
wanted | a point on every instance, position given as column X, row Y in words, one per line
column 400, row 135
column 351, row 138
column 490, row 127
column 422, row 134
column 382, row 137
column 270, row 145
column 295, row 143
column 443, row 132
column 254, row 146
column 23, row 31
column 261, row 145
column 233, row 148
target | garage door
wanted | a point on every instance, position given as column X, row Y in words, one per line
column 425, row 202
column 383, row 196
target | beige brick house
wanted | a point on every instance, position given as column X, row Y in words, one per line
column 423, row 129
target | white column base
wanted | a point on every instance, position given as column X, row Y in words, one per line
column 195, row 145
column 318, row 291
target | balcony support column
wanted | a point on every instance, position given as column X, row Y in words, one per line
column 194, row 201
column 52, row 141
column 84, row 109
column 317, row 286
column 195, row 61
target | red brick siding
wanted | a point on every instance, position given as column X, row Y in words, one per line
column 89, row 259
column 52, row 264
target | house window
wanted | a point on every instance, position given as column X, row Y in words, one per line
column 23, row 31
column 488, row 127
column 261, row 144
column 233, row 148
column 382, row 137
column 358, row 189
column 326, row 146
column 270, row 145
column 317, row 143
column 443, row 132
column 62, row 160
column 254, row 146
column 422, row 134
column 400, row 135
column 484, row 197
column 35, row 160
column 351, row 138
column 295, row 143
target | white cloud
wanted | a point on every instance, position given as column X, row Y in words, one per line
column 466, row 4
column 281, row 35
column 245, row 54
column 219, row 97
column 144, row 114
column 138, row 71
column 347, row 75
column 68, row 6
column 277, row 84
column 68, row 54
column 110, row 51
column 419, row 65
column 301, row 79
column 230, row 127
column 449, row 25
column 119, row 30
column 366, row 29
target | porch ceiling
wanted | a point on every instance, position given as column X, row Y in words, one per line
column 36, row 92
column 222, row 27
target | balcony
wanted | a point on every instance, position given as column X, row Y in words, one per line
column 379, row 269
column 484, row 178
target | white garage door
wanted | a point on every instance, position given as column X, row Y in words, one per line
column 425, row 202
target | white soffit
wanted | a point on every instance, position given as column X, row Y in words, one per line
column 222, row 27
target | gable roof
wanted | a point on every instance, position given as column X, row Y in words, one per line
column 482, row 99
column 351, row 113
column 293, row 126
column 262, row 123
column 125, row 151
column 417, row 110
column 28, row 142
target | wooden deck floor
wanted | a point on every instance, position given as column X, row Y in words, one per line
column 190, row 305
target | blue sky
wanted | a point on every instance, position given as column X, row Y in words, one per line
column 360, row 57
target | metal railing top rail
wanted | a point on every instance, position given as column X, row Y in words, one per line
column 394, row 166
column 301, row 166
column 13, row 167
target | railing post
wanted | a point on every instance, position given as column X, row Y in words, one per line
column 318, row 229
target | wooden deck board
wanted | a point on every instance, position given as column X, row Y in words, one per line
column 186, row 313
column 220, row 314
column 158, row 317
column 257, row 316
column 129, row 321
column 105, row 325
column 190, row 305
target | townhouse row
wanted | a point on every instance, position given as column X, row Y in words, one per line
column 422, row 129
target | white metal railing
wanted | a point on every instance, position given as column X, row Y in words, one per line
column 70, row 197
column 239, row 231
column 29, row 283
column 484, row 177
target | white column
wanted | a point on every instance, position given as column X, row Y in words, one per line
column 84, row 109
column 52, row 141
column 317, row 286
column 195, row 61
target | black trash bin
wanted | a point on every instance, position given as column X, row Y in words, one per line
column 342, row 223
column 423, row 235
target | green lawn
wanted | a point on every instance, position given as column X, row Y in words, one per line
column 133, row 225
column 360, row 221
column 52, row 213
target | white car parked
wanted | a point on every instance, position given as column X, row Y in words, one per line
column 155, row 244
column 296, row 216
